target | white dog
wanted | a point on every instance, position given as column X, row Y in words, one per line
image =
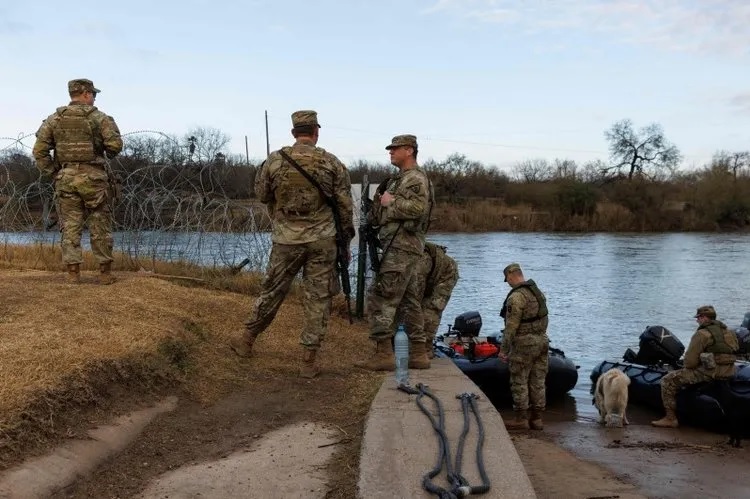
column 611, row 398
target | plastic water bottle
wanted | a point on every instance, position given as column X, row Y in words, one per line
column 401, row 349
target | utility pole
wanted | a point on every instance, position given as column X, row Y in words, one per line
column 247, row 153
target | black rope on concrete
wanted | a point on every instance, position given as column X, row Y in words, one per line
column 460, row 487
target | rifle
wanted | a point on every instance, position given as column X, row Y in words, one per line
column 342, row 241
column 370, row 234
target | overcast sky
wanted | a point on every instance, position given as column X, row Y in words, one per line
column 500, row 81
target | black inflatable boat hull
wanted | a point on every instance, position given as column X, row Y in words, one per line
column 493, row 377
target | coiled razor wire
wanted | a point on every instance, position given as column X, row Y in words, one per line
column 180, row 203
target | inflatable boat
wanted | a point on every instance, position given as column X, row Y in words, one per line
column 477, row 356
column 705, row 405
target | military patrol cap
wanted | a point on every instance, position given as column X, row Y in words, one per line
column 403, row 140
column 81, row 85
column 706, row 310
column 513, row 267
column 305, row 117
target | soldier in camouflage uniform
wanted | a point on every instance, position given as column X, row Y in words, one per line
column 82, row 137
column 402, row 213
column 526, row 344
column 303, row 236
column 437, row 274
column 710, row 356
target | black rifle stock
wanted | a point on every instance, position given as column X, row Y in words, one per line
column 342, row 241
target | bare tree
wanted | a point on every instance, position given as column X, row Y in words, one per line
column 533, row 170
column 205, row 144
column 645, row 152
column 732, row 162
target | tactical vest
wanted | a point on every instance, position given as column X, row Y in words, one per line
column 541, row 300
column 295, row 195
column 719, row 346
column 75, row 137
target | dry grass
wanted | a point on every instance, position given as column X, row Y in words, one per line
column 62, row 346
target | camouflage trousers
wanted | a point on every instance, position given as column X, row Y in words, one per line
column 673, row 381
column 434, row 304
column 317, row 260
column 82, row 196
column 394, row 295
column 528, row 362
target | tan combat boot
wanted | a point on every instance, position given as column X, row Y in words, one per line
column 418, row 358
column 520, row 422
column 668, row 421
column 535, row 421
column 105, row 274
column 242, row 343
column 74, row 273
column 381, row 360
column 308, row 370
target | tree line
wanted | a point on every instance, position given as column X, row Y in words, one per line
column 638, row 188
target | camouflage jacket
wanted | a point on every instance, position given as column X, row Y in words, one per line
column 404, row 222
column 442, row 269
column 73, row 143
column 703, row 340
column 524, row 314
column 300, row 214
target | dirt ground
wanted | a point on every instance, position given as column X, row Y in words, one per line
column 575, row 457
column 195, row 433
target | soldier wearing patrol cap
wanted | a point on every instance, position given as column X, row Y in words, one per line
column 303, row 236
column 526, row 344
column 402, row 214
column 709, row 356
column 82, row 137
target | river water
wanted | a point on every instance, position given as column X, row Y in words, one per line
column 603, row 290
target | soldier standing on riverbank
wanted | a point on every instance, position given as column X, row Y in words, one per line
column 304, row 235
column 82, row 138
column 526, row 344
column 710, row 356
column 402, row 213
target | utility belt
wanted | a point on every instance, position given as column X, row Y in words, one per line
column 295, row 213
column 76, row 165
column 520, row 333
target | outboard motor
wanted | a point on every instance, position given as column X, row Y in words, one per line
column 467, row 341
column 746, row 321
column 467, row 324
column 659, row 346
column 743, row 338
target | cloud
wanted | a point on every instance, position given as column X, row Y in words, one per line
column 708, row 27
column 741, row 102
column 10, row 27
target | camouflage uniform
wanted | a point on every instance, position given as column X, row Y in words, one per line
column 303, row 232
column 436, row 275
column 80, row 135
column 526, row 343
column 402, row 236
column 711, row 337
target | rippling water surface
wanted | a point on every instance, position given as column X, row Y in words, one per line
column 603, row 290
